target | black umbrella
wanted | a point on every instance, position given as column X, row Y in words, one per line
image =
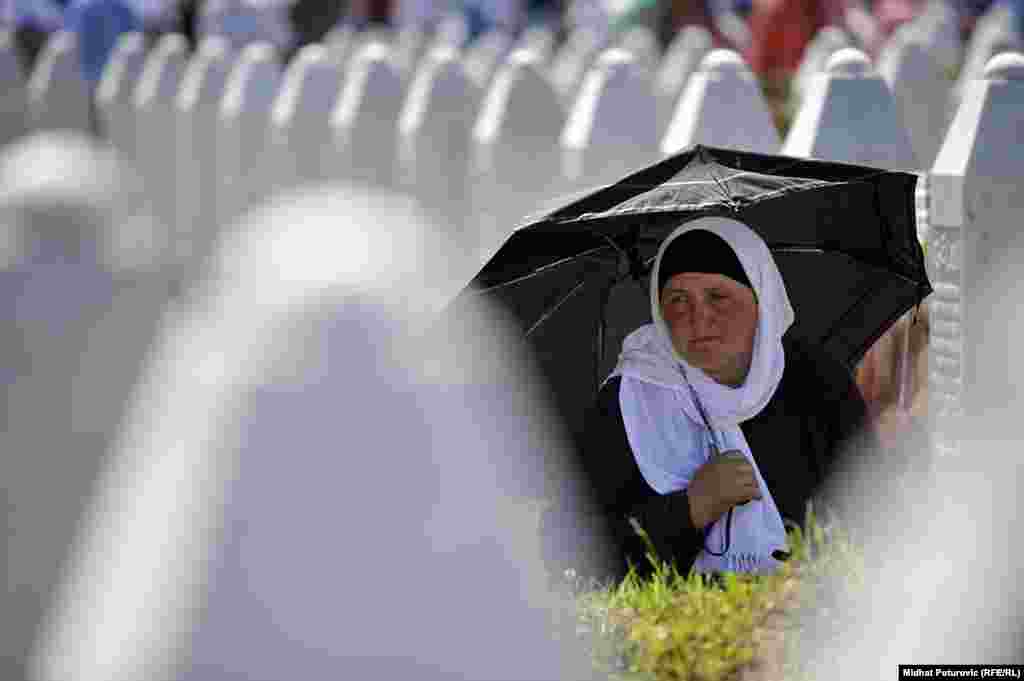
column 843, row 236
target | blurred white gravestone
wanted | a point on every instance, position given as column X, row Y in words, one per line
column 156, row 125
column 938, row 28
column 682, row 58
column 994, row 33
column 341, row 42
column 571, row 62
column 975, row 207
column 58, row 96
column 115, row 94
column 825, row 43
column 364, row 124
column 515, row 161
column 486, row 55
column 539, row 39
column 722, row 106
column 921, row 91
column 191, row 571
column 197, row 108
column 611, row 129
column 13, row 90
column 411, row 44
column 243, row 161
column 300, row 119
column 434, row 129
column 83, row 293
column 849, row 115
column 452, row 31
column 641, row 42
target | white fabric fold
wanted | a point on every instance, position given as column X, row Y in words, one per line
column 664, row 427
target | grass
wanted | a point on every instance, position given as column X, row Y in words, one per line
column 734, row 626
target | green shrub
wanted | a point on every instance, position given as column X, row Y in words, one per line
column 697, row 628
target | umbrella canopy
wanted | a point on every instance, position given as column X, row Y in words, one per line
column 843, row 236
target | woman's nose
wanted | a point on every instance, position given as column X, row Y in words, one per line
column 700, row 321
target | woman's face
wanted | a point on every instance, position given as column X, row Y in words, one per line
column 712, row 319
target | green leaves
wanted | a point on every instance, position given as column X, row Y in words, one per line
column 693, row 628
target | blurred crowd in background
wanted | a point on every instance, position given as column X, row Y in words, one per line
column 770, row 34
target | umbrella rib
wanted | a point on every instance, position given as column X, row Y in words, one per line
column 555, row 307
column 542, row 270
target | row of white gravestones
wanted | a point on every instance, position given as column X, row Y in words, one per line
column 86, row 276
column 976, row 202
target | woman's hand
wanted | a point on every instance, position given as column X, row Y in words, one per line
column 723, row 482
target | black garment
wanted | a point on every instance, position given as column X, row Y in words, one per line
column 813, row 425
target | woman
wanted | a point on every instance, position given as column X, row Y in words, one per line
column 781, row 409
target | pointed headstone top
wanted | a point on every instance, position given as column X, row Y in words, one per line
column 849, row 62
column 259, row 52
column 615, row 57
column 723, row 61
column 1005, row 66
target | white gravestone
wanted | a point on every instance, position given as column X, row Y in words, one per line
column 722, row 106
column 485, row 56
column 681, row 60
column 922, row 93
column 642, row 43
column 994, row 33
column 300, row 120
column 364, row 124
column 825, row 43
column 58, row 96
column 13, row 90
column 976, row 202
column 572, row 61
column 211, row 553
column 155, row 122
column 434, row 129
column 115, row 94
column 81, row 302
column 243, row 161
column 849, row 115
column 938, row 28
column 198, row 109
column 611, row 129
column 515, row 162
column 540, row 39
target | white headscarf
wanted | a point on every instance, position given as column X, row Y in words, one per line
column 664, row 426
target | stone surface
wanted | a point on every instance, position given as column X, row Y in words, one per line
column 300, row 121
column 58, row 96
column 82, row 292
column 115, row 95
column 243, row 162
column 722, row 106
column 975, row 204
column 682, row 58
column 317, row 331
column 197, row 108
column 434, row 129
column 515, row 162
column 364, row 124
column 922, row 93
column 611, row 128
column 816, row 55
column 572, row 61
column 994, row 33
column 156, row 122
column 13, row 90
